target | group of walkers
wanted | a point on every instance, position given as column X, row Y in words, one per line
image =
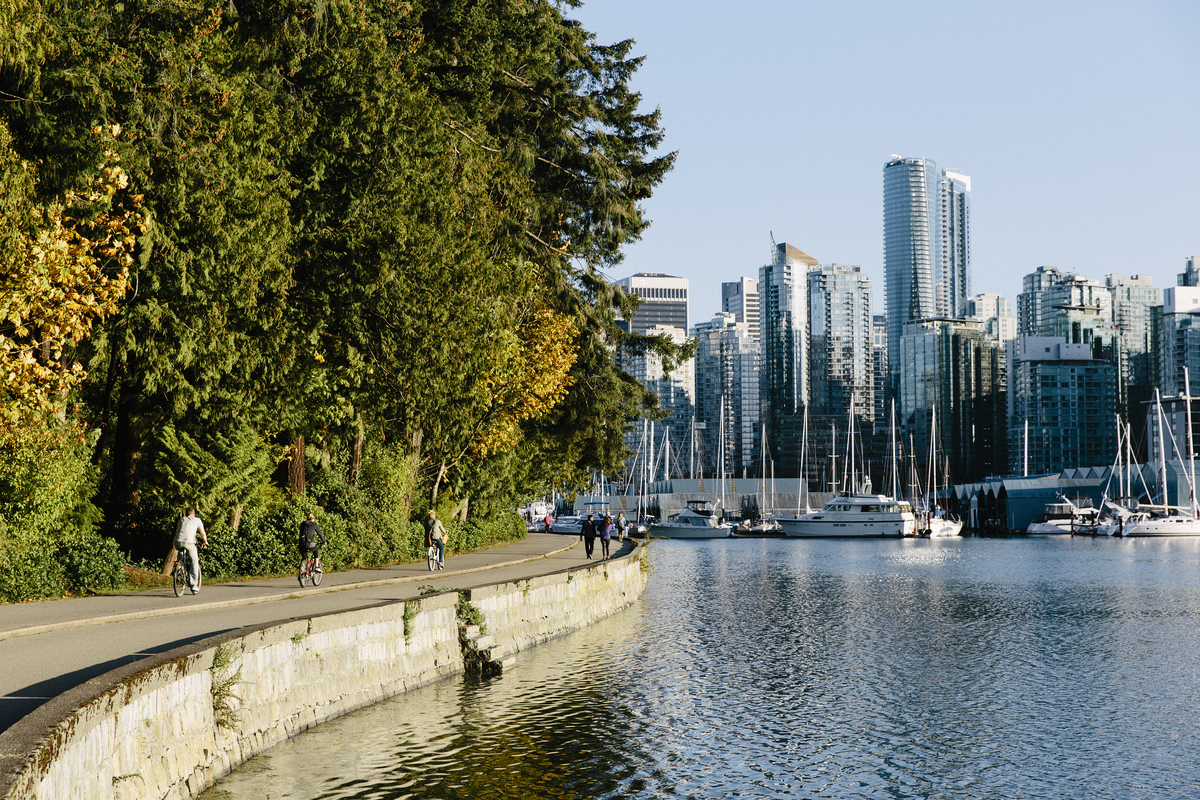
column 607, row 529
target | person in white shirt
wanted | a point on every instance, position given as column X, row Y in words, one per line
column 185, row 539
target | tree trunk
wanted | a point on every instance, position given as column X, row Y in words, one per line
column 296, row 467
column 126, row 452
column 235, row 520
column 437, row 484
column 417, row 438
column 356, row 454
column 460, row 513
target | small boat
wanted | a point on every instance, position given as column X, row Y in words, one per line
column 758, row 529
column 1059, row 517
column 942, row 525
column 861, row 515
column 698, row 521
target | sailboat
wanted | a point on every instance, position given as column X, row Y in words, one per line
column 855, row 512
column 937, row 522
column 1175, row 521
column 701, row 519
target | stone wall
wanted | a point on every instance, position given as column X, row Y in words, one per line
column 171, row 725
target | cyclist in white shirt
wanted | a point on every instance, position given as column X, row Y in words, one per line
column 185, row 539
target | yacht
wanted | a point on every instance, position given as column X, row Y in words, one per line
column 861, row 515
column 698, row 521
column 941, row 526
column 1062, row 517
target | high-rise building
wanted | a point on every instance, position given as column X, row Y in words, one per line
column 840, row 340
column 783, row 371
column 675, row 392
column 996, row 313
column 955, row 367
column 740, row 298
column 664, row 300
column 1032, row 297
column 1134, row 300
column 911, row 246
column 1179, row 339
column 1069, row 400
column 727, row 392
column 1190, row 276
column 955, row 250
column 879, row 368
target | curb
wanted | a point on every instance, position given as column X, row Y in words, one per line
column 33, row 630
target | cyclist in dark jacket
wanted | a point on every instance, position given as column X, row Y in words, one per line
column 311, row 538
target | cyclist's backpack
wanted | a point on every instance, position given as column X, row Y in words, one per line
column 308, row 535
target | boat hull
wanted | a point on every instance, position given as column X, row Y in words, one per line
column 833, row 529
column 1048, row 528
column 1164, row 526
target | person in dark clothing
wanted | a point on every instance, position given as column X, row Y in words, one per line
column 587, row 532
column 311, row 538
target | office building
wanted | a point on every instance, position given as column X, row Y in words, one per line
column 956, row 368
column 1179, row 340
column 996, row 313
column 1031, row 299
column 955, row 250
column 664, row 300
column 841, row 343
column 879, row 368
column 783, row 371
column 1190, row 276
column 1068, row 398
column 740, row 298
column 911, row 246
column 727, row 394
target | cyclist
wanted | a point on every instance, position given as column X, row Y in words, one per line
column 311, row 538
column 185, row 539
column 435, row 534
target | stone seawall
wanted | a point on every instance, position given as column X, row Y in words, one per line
column 169, row 726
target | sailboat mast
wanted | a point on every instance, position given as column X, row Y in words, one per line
column 803, row 484
column 1187, row 388
column 895, row 457
column 1026, row 472
column 833, row 458
column 850, row 477
column 1162, row 447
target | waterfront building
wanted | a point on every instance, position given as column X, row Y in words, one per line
column 1134, row 300
column 740, row 298
column 879, row 368
column 784, row 367
column 840, row 340
column 911, row 246
column 954, row 229
column 1068, row 398
column 1032, row 298
column 996, row 313
column 1179, row 339
column 957, row 368
column 1190, row 276
column 676, row 392
column 664, row 300
column 727, row 378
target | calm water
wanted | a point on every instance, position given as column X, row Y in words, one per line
column 972, row 668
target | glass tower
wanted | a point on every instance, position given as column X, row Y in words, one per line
column 955, row 229
column 911, row 245
column 840, row 340
column 727, row 377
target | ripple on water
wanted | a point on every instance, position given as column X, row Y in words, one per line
column 1018, row 668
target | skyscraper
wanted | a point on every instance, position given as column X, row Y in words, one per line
column 879, row 353
column 783, row 373
column 727, row 392
column 911, row 246
column 740, row 298
column 955, row 250
column 840, row 338
column 664, row 300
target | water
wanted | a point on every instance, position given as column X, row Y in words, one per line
column 969, row 668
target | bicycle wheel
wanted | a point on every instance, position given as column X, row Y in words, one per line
column 199, row 576
column 178, row 577
column 303, row 576
column 433, row 559
column 316, row 572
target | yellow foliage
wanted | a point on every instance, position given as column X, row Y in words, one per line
column 62, row 277
column 530, row 378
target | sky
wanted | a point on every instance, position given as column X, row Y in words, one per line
column 1078, row 123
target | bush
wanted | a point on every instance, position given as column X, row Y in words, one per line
column 80, row 563
column 91, row 563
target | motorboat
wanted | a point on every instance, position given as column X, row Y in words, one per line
column 572, row 525
column 1063, row 517
column 857, row 516
column 699, row 520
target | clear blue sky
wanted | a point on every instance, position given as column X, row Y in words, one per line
column 1078, row 122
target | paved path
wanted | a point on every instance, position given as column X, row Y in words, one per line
column 49, row 647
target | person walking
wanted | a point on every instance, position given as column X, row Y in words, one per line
column 587, row 533
column 435, row 535
column 549, row 521
column 621, row 523
column 607, row 528
column 185, row 539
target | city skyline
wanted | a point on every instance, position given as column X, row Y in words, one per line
column 1040, row 101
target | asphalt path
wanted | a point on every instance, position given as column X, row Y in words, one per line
column 51, row 646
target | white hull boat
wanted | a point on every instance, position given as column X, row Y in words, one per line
column 1163, row 526
column 942, row 528
column 698, row 521
column 865, row 516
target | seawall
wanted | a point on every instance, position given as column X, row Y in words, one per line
column 170, row 725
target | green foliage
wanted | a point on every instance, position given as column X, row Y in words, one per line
column 212, row 472
column 468, row 613
column 410, row 617
column 224, row 680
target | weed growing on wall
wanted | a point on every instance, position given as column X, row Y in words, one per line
column 224, row 679
column 468, row 613
column 410, row 618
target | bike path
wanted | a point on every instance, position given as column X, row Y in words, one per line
column 53, row 646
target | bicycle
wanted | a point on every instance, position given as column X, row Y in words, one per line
column 310, row 570
column 433, row 557
column 179, row 572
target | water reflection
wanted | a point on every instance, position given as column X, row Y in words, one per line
column 1051, row 667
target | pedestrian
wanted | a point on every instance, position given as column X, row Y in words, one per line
column 587, row 532
column 621, row 523
column 185, row 539
column 549, row 522
column 435, row 535
column 607, row 528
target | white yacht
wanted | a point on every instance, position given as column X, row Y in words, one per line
column 1180, row 524
column 1057, row 518
column 941, row 527
column 698, row 521
column 862, row 515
